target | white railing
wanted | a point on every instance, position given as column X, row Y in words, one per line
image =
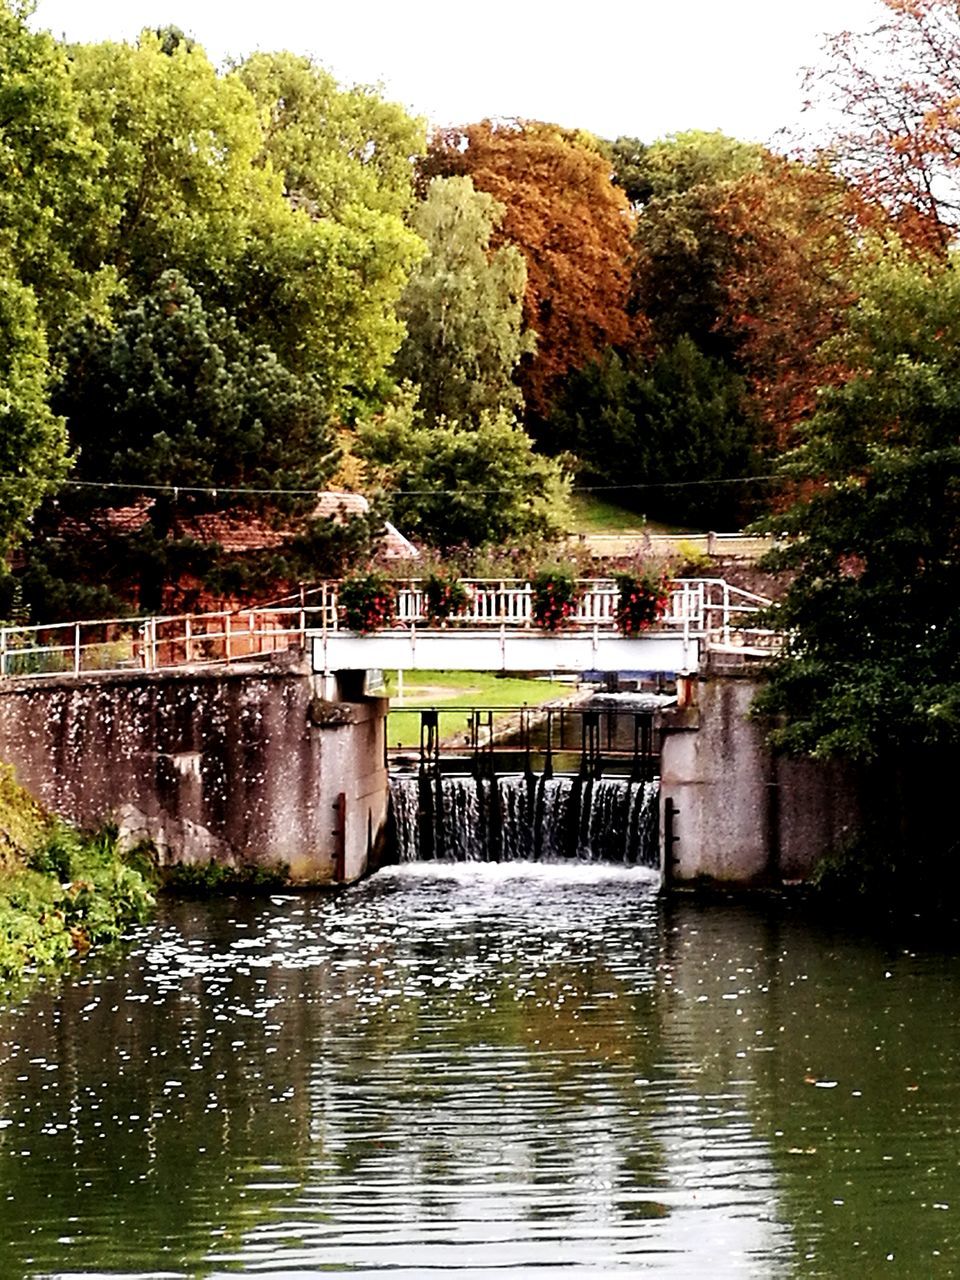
column 710, row 609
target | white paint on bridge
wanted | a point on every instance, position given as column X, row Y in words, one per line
column 414, row 649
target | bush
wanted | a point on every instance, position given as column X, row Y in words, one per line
column 368, row 602
column 642, row 600
column 76, row 890
column 555, row 597
column 444, row 597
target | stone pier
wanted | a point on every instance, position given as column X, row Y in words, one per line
column 733, row 811
column 245, row 765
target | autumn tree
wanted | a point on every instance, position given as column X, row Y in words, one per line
column 896, row 91
column 571, row 224
column 463, row 307
column 683, row 252
column 800, row 238
column 753, row 257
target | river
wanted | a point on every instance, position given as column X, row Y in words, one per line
column 484, row 1071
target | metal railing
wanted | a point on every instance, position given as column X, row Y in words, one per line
column 544, row 740
column 724, row 616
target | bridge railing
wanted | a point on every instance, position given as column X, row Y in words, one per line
column 701, row 608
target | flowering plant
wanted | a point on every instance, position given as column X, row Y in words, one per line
column 554, row 598
column 642, row 600
column 443, row 597
column 368, row 601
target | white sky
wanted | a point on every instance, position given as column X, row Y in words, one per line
column 638, row 67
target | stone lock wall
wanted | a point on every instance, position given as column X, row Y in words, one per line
column 245, row 766
column 741, row 813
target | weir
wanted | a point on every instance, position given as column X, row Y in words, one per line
column 521, row 817
column 558, row 784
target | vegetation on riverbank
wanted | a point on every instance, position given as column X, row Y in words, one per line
column 61, row 891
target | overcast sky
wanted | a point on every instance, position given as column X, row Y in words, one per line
column 638, row 67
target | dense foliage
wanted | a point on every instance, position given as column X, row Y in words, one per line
column 60, row 891
column 873, row 666
column 462, row 307
column 667, row 429
column 572, row 226
column 463, row 482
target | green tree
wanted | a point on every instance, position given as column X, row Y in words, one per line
column 190, row 183
column 453, row 484
column 670, row 428
column 341, row 152
column 45, row 196
column 175, row 395
column 463, row 307
column 871, row 671
column 684, row 252
column 179, row 180
column 51, row 203
column 323, row 288
column 33, row 443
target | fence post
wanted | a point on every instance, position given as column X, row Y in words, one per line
column 188, row 638
column 3, row 651
column 226, row 636
column 76, row 648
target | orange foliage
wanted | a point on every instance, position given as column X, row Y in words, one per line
column 897, row 89
column 797, row 239
column 572, row 225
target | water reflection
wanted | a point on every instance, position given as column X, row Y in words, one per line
column 483, row 1069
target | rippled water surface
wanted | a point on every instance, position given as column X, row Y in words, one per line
column 484, row 1071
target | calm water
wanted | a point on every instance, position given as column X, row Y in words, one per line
column 484, row 1071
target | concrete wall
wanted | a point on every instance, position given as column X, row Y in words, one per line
column 743, row 814
column 243, row 766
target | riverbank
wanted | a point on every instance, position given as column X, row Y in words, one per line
column 61, row 891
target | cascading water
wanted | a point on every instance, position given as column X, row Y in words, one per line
column 519, row 817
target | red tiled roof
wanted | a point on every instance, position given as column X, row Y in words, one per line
column 238, row 532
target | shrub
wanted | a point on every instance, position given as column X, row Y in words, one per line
column 444, row 596
column 554, row 598
column 642, row 600
column 368, row 602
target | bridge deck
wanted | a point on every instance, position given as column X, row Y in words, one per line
column 495, row 631
column 413, row 649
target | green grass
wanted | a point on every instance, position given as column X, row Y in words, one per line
column 458, row 689
column 592, row 514
column 596, row 515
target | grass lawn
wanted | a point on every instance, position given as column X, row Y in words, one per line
column 593, row 514
column 596, row 515
column 457, row 689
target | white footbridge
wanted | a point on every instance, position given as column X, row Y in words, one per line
column 495, row 631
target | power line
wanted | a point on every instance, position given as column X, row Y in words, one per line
column 215, row 491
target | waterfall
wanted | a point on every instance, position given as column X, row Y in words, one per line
column 520, row 817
